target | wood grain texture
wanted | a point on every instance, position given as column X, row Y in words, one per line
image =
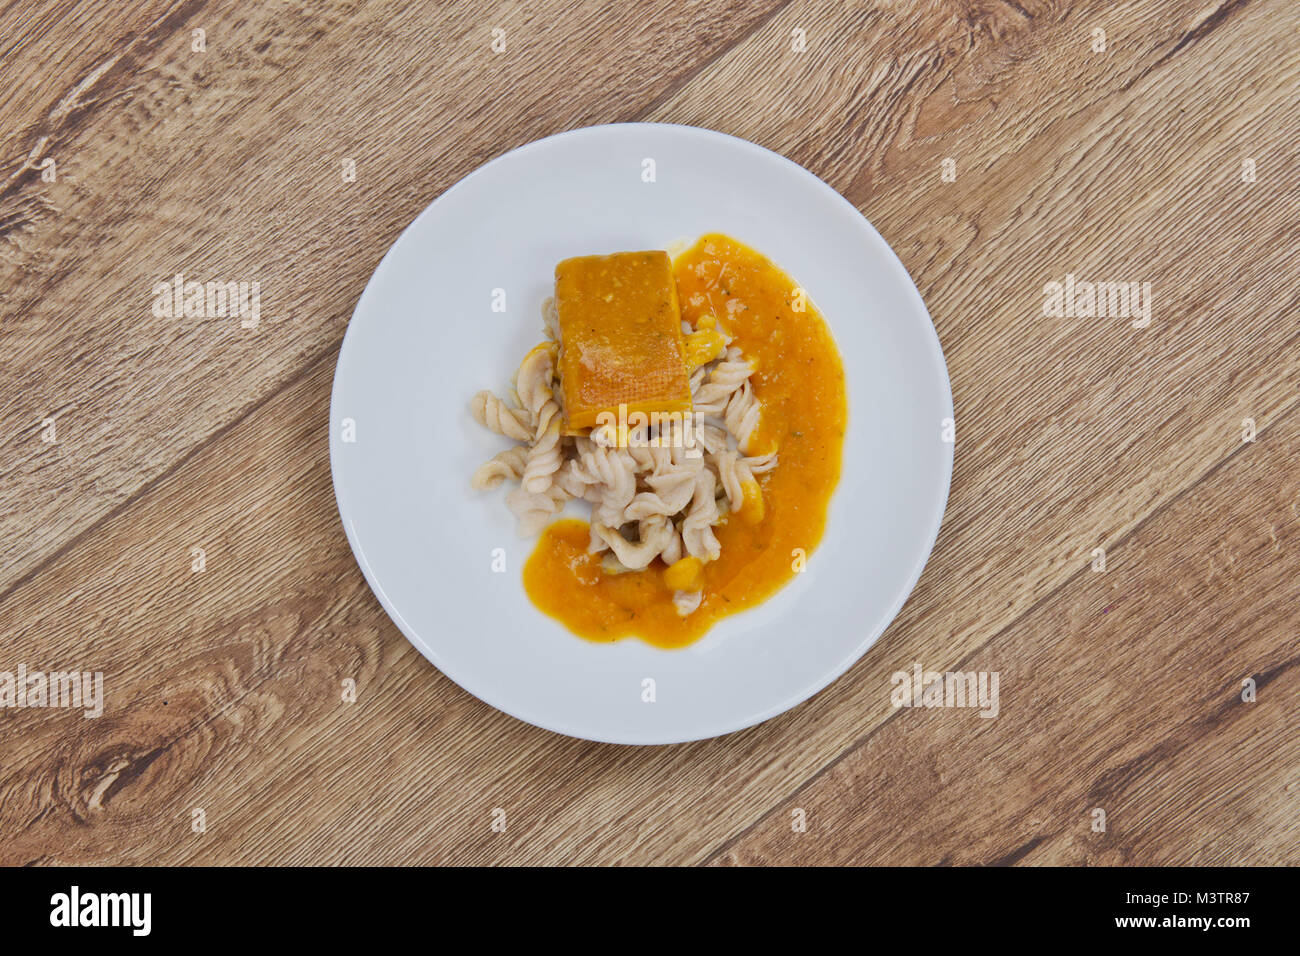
column 1120, row 690
column 1160, row 738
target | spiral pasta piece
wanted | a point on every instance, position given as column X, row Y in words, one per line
column 710, row 437
column 675, row 488
column 732, row 474
column 672, row 551
column 543, row 459
column 687, row 602
column 697, row 528
column 724, row 378
column 615, row 474
column 494, row 414
column 743, row 411
column 636, row 555
column 505, row 464
column 533, row 384
column 535, row 511
column 658, row 492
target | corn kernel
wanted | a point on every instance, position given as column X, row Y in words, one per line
column 684, row 574
column 751, row 509
column 703, row 347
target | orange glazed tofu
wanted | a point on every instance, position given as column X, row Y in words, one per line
column 620, row 332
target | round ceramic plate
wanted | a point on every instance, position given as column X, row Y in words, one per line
column 425, row 337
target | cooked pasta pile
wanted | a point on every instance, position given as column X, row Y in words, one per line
column 651, row 495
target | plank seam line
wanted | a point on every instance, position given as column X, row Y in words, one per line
column 727, row 844
column 154, row 754
column 314, row 360
column 690, row 77
column 153, row 483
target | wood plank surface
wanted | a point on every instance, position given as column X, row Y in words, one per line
column 1120, row 690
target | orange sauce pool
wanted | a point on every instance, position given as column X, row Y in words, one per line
column 800, row 380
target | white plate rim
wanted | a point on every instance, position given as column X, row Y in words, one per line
column 939, row 507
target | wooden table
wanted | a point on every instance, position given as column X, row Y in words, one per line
column 166, row 504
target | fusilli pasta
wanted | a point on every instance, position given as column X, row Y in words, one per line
column 654, row 492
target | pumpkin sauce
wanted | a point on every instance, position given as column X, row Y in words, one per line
column 799, row 378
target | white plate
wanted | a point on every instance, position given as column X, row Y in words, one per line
column 424, row 339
